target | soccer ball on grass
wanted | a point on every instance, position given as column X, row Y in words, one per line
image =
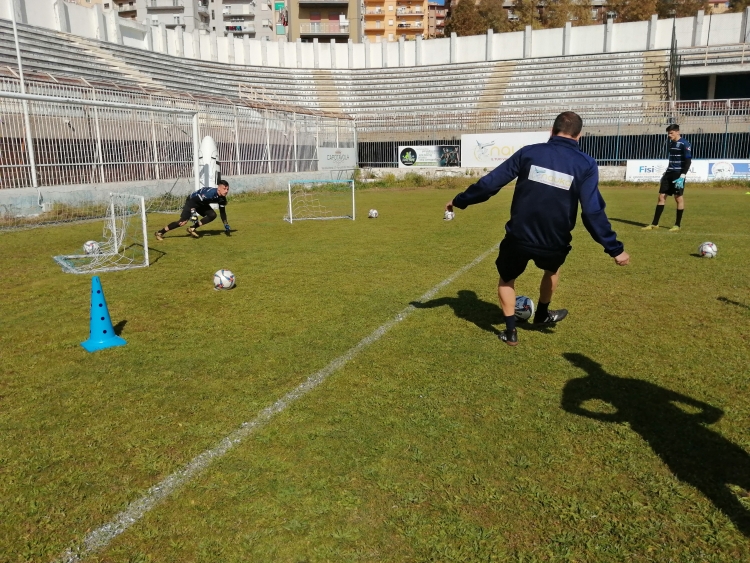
column 91, row 247
column 708, row 250
column 373, row 214
column 524, row 308
column 223, row 279
column 449, row 215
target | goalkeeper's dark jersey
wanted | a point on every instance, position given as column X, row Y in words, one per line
column 680, row 156
column 207, row 196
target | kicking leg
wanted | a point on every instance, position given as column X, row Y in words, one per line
column 506, row 293
column 547, row 289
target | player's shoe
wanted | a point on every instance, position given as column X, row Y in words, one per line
column 158, row 235
column 674, row 229
column 510, row 337
column 650, row 228
column 192, row 232
column 552, row 317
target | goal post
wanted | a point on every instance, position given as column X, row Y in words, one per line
column 124, row 242
column 320, row 200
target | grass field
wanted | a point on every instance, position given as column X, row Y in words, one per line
column 620, row 435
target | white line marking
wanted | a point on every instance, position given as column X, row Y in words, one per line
column 101, row 537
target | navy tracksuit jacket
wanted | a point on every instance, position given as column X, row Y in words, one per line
column 552, row 178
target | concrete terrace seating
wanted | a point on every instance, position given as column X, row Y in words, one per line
column 626, row 77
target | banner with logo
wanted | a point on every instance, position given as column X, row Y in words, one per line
column 729, row 169
column 489, row 150
column 652, row 170
column 337, row 159
column 429, row 156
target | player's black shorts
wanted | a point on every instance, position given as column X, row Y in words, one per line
column 201, row 208
column 513, row 258
column 667, row 186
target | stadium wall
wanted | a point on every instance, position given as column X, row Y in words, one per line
column 655, row 34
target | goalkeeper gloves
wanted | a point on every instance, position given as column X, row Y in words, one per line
column 680, row 182
column 226, row 227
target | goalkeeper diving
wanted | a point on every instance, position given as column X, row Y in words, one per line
column 199, row 204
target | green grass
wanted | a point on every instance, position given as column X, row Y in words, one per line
column 436, row 443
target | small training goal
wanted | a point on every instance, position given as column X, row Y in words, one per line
column 124, row 242
column 320, row 199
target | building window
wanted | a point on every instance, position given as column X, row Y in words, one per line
column 390, row 37
column 106, row 5
column 213, row 17
column 390, row 22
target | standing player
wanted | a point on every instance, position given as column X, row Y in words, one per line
column 199, row 203
column 552, row 178
column 673, row 180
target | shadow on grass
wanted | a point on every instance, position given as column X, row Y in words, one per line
column 154, row 255
column 735, row 303
column 119, row 326
column 469, row 307
column 629, row 222
column 674, row 425
column 214, row 232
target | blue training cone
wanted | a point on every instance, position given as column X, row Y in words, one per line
column 101, row 332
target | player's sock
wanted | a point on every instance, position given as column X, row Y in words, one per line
column 171, row 226
column 196, row 224
column 541, row 312
column 657, row 214
column 510, row 322
column 679, row 217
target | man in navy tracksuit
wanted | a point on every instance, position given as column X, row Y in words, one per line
column 673, row 179
column 552, row 178
column 199, row 203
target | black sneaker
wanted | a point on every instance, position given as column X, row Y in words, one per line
column 510, row 337
column 552, row 317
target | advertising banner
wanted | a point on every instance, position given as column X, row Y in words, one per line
column 489, row 150
column 729, row 169
column 337, row 159
column 429, row 156
column 652, row 170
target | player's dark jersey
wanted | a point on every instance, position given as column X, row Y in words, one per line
column 552, row 178
column 680, row 156
column 206, row 196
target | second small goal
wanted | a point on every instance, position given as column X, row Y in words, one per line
column 320, row 200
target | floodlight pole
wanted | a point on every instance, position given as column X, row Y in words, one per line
column 24, row 103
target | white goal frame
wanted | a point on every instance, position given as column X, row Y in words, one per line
column 117, row 239
column 297, row 205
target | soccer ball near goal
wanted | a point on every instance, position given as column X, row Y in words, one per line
column 524, row 308
column 373, row 214
column 449, row 215
column 91, row 247
column 223, row 279
column 708, row 250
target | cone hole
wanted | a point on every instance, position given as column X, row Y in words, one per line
column 104, row 331
column 98, row 290
column 102, row 318
column 100, row 305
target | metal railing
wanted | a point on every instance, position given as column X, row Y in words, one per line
column 324, row 27
column 94, row 135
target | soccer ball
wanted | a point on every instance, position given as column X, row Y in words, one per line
column 373, row 214
column 708, row 250
column 449, row 215
column 524, row 308
column 223, row 279
column 91, row 247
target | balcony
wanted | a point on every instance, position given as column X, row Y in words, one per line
column 122, row 8
column 324, row 28
column 168, row 5
column 203, row 8
column 406, row 12
column 375, row 13
column 337, row 2
column 240, row 29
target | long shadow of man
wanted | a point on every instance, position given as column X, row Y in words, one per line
column 695, row 454
column 468, row 306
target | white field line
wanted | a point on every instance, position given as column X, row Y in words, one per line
column 102, row 536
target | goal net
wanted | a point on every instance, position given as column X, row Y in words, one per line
column 320, row 199
column 124, row 242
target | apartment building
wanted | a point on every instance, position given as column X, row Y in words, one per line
column 324, row 20
column 436, row 14
column 388, row 20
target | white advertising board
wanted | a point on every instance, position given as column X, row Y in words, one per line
column 337, row 159
column 430, row 156
column 729, row 169
column 652, row 170
column 489, row 150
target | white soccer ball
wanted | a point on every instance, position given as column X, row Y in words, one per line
column 373, row 214
column 449, row 215
column 91, row 247
column 223, row 279
column 708, row 250
column 524, row 308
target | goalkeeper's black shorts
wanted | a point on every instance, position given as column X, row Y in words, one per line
column 201, row 209
column 667, row 183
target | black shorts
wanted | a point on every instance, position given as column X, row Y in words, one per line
column 201, row 209
column 513, row 258
column 667, row 186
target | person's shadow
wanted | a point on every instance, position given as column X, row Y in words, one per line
column 695, row 454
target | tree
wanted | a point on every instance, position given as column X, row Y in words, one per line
column 495, row 16
column 558, row 12
column 680, row 8
column 527, row 12
column 465, row 20
column 632, row 10
column 738, row 5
